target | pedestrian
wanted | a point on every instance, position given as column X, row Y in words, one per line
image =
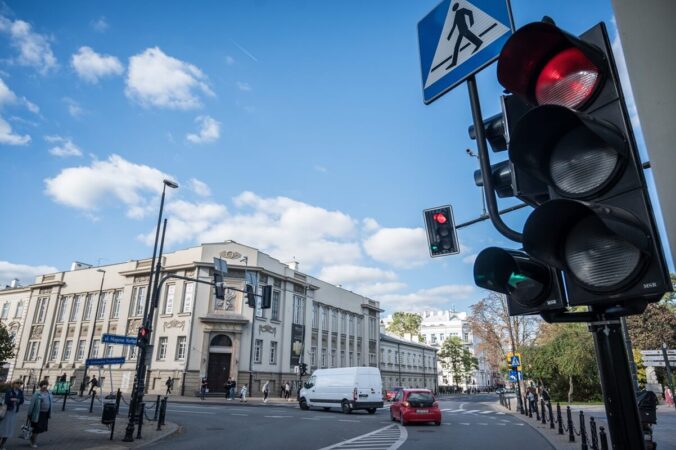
column 94, row 384
column 242, row 394
column 233, row 387
column 170, row 384
column 62, row 379
column 266, row 391
column 13, row 399
column 40, row 411
column 531, row 399
column 668, row 396
column 545, row 395
column 204, row 389
column 287, row 391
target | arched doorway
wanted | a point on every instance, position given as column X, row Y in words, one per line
column 220, row 355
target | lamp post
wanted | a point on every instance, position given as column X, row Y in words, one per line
column 153, row 280
column 91, row 341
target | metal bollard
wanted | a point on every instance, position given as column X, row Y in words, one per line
column 526, row 406
column 118, row 397
column 509, row 403
column 542, row 409
column 65, row 397
column 141, row 412
column 91, row 405
column 603, row 438
column 594, row 436
column 163, row 408
column 559, row 419
column 157, row 408
column 583, row 433
column 571, row 434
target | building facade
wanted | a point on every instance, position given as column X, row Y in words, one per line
column 405, row 363
column 64, row 316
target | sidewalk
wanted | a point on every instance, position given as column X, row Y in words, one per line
column 78, row 429
column 250, row 401
column 664, row 433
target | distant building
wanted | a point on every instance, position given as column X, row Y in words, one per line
column 407, row 363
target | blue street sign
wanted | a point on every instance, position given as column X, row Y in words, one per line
column 457, row 39
column 516, row 362
column 117, row 339
column 515, row 376
column 104, row 361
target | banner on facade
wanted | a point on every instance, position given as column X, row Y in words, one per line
column 296, row 343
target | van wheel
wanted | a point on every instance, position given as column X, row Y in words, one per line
column 371, row 410
column 345, row 405
column 303, row 404
column 326, row 408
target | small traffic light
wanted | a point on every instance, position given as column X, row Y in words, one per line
column 250, row 296
column 441, row 235
column 143, row 337
column 266, row 297
column 218, row 278
column 303, row 369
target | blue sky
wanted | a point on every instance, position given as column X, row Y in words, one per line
column 295, row 127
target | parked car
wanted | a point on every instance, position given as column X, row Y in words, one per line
column 415, row 405
column 348, row 388
column 391, row 393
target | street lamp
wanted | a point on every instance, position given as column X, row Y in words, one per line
column 91, row 341
column 153, row 280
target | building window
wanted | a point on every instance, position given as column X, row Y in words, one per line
column 169, row 300
column 273, row 352
column 107, row 351
column 79, row 354
column 5, row 311
column 351, row 359
column 103, row 301
column 343, row 323
column 61, row 310
column 315, row 315
column 298, row 310
column 180, row 348
column 187, row 297
column 115, row 306
column 358, row 358
column 351, row 325
column 274, row 307
column 441, row 337
column 333, row 357
column 334, row 320
column 19, row 310
column 313, row 356
column 32, row 350
column 434, row 338
column 41, row 310
column 54, row 353
column 372, row 359
column 67, row 350
column 465, row 337
column 342, row 358
column 95, row 349
column 162, row 348
column 323, row 357
column 138, row 301
column 373, row 329
column 89, row 301
column 325, row 318
column 258, row 351
column 75, row 308
column 360, row 329
column 132, row 351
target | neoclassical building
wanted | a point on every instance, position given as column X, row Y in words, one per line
column 406, row 363
column 61, row 318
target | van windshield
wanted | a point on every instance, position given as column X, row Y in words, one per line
column 420, row 399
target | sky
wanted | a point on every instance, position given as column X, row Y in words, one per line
column 295, row 127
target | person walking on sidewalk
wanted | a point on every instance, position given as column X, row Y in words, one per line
column 170, row 384
column 13, row 399
column 40, row 411
column 233, row 387
column 94, row 384
column 204, row 389
column 242, row 394
column 287, row 391
column 266, row 391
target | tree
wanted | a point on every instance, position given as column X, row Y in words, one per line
column 450, row 357
column 656, row 325
column 403, row 323
column 7, row 345
column 469, row 364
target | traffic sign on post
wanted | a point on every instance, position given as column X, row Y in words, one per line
column 457, row 39
column 117, row 339
column 104, row 361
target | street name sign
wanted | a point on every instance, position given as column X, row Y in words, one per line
column 657, row 352
column 459, row 38
column 104, row 361
column 117, row 339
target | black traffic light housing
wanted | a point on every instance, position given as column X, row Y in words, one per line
column 441, row 234
column 219, row 285
column 266, row 297
column 303, row 369
column 250, row 296
column 143, row 337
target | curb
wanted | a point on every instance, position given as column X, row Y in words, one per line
column 176, row 430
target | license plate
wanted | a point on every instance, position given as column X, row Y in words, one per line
column 421, row 411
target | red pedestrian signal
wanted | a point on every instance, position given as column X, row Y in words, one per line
column 441, row 235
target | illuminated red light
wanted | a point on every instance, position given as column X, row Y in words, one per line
column 440, row 218
column 568, row 79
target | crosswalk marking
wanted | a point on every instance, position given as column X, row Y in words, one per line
column 390, row 437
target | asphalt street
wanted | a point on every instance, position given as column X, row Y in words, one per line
column 469, row 422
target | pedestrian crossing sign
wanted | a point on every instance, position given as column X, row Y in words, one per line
column 457, row 39
column 514, row 360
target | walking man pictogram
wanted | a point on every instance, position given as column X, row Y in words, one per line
column 460, row 21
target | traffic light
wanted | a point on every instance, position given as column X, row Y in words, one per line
column 303, row 369
column 219, row 284
column 598, row 228
column 266, row 297
column 250, row 296
column 143, row 337
column 441, row 235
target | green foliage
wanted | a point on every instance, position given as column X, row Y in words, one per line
column 640, row 368
column 6, row 345
column 403, row 322
column 451, row 357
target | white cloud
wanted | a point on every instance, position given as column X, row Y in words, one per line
column 65, row 146
column 199, row 187
column 10, row 138
column 351, row 274
column 100, row 25
column 25, row 273
column 439, row 297
column 243, row 86
column 229, row 60
column 74, row 108
column 156, row 79
column 376, row 290
column 33, row 48
column 90, row 66
column 210, row 130
column 320, row 169
column 113, row 181
column 469, row 259
column 32, row 107
column 398, row 247
column 186, row 220
column 370, row 225
column 6, row 94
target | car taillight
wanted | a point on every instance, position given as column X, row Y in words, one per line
column 406, row 405
column 354, row 394
column 568, row 79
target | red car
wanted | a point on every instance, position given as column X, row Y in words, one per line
column 391, row 393
column 415, row 405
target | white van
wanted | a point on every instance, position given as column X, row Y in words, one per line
column 347, row 388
